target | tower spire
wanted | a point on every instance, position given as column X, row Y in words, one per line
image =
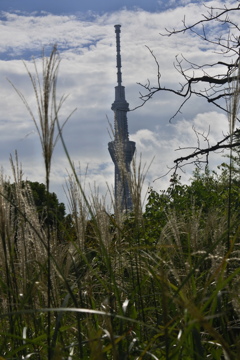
column 121, row 149
column 119, row 64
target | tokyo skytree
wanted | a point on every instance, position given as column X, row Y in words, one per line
column 121, row 148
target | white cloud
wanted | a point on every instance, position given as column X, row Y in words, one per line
column 88, row 75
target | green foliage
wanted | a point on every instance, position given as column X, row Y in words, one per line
column 56, row 211
column 50, row 211
column 207, row 192
column 160, row 285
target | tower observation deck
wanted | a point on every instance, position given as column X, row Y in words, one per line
column 121, row 148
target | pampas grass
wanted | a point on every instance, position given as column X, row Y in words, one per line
column 112, row 289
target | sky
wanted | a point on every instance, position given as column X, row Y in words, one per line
column 85, row 36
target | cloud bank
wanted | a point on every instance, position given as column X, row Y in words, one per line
column 88, row 74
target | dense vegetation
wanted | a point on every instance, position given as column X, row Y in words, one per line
column 162, row 284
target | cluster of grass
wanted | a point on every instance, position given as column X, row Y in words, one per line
column 156, row 285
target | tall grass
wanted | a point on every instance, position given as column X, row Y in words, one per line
column 112, row 292
column 233, row 103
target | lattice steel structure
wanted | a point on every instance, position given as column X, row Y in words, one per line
column 121, row 148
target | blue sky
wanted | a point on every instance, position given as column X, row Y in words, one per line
column 71, row 6
column 84, row 33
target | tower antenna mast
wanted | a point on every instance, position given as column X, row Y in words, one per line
column 121, row 148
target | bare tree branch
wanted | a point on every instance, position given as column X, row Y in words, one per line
column 206, row 18
column 199, row 79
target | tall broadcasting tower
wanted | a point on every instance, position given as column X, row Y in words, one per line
column 121, row 149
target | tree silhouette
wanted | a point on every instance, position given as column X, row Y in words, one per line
column 217, row 83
